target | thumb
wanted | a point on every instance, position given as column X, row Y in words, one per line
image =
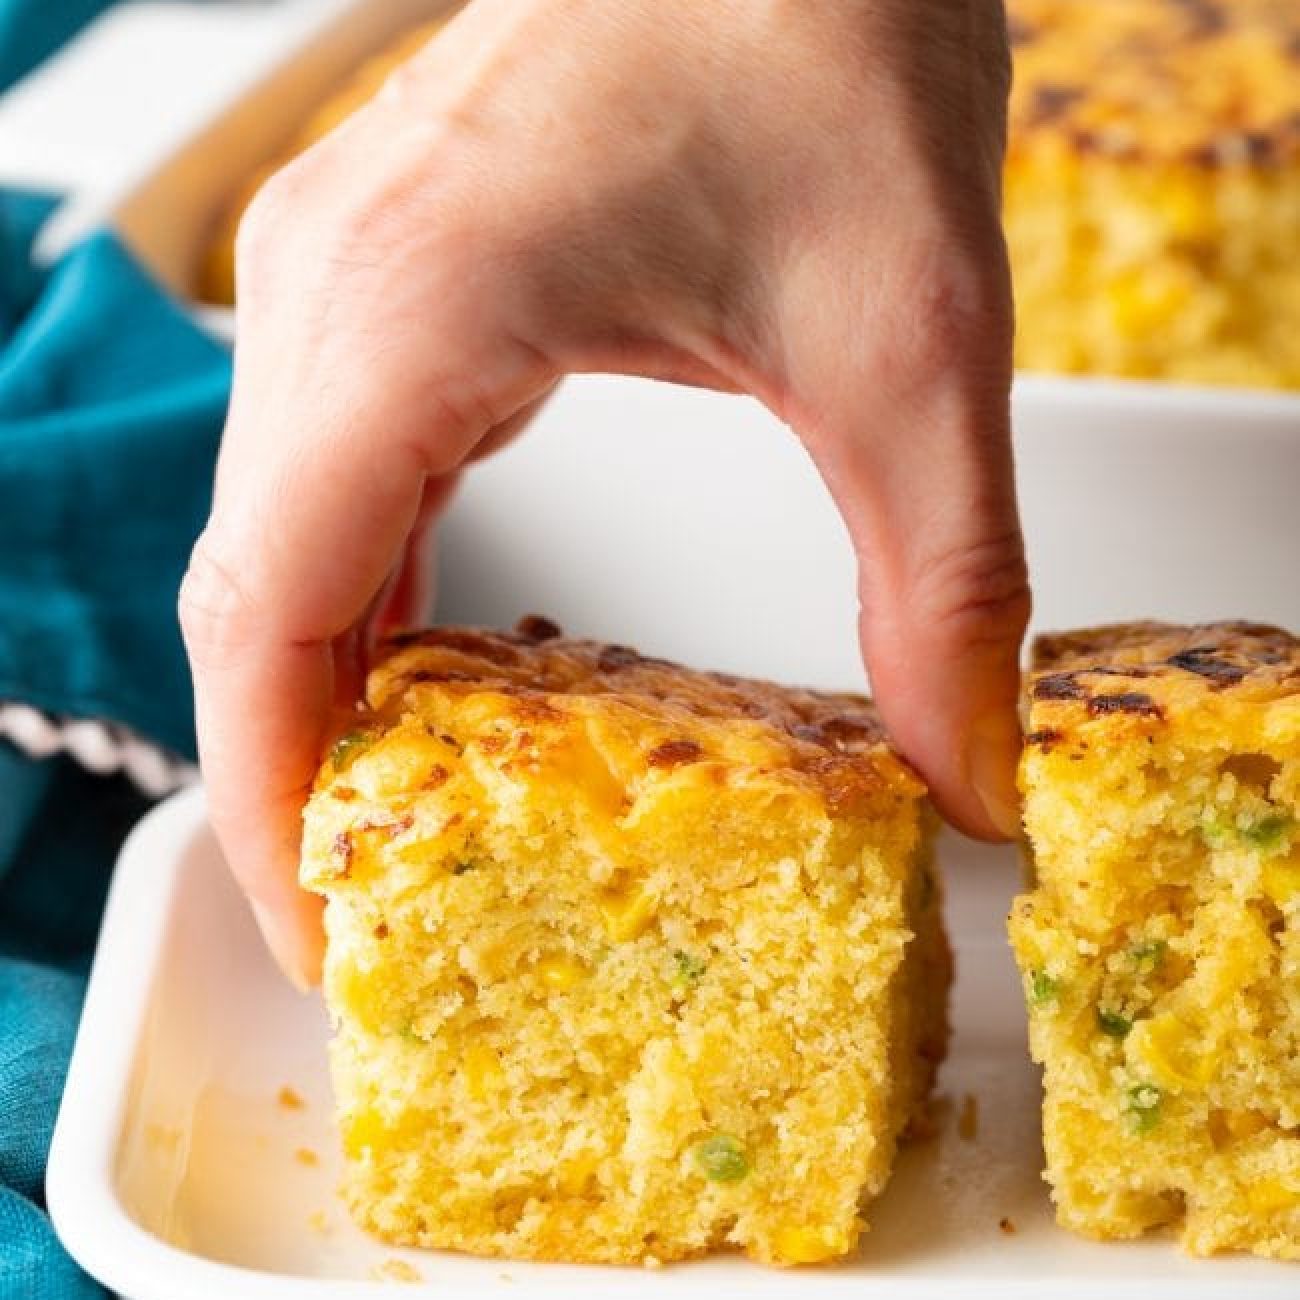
column 917, row 454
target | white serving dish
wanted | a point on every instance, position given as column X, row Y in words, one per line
column 139, row 81
column 173, row 1174
column 1139, row 499
column 694, row 523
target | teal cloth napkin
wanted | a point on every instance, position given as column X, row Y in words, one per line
column 111, row 407
column 31, row 29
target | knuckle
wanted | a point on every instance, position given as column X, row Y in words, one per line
column 954, row 311
column 272, row 209
column 217, row 611
column 977, row 591
column 309, row 228
column 968, row 303
column 269, row 225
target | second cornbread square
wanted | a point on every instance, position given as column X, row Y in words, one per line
column 1160, row 945
column 628, row 962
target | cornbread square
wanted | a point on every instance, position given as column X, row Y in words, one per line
column 1160, row 944
column 1152, row 188
column 627, row 962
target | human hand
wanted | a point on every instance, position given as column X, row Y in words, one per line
column 795, row 200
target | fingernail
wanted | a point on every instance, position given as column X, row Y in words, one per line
column 280, row 948
column 993, row 751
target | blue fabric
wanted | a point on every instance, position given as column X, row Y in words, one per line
column 38, row 1018
column 32, row 29
column 111, row 407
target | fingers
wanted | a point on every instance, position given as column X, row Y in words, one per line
column 408, row 598
column 911, row 433
column 327, row 451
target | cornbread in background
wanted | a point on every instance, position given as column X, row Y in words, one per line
column 627, row 962
column 1160, row 943
column 1152, row 190
column 216, row 273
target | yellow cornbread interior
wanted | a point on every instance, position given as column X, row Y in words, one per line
column 1160, row 952
column 1152, row 188
column 594, row 1005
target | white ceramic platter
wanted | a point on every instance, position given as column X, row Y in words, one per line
column 692, row 525
column 177, row 1173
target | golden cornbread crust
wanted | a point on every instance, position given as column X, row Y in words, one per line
column 835, row 742
column 628, row 962
column 1212, row 82
column 1152, row 196
column 1160, row 943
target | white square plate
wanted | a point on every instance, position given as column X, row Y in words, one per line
column 177, row 1172
column 692, row 525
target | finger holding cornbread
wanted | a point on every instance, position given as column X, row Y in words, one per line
column 414, row 281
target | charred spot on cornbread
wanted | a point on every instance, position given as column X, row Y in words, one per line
column 1058, row 686
column 536, row 628
column 1206, row 17
column 1205, row 662
column 614, row 657
column 1160, row 941
column 670, row 753
column 1051, row 100
column 655, row 968
column 1138, row 702
column 1044, row 737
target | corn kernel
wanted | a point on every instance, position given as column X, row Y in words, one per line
column 483, row 1071
column 1265, row 1195
column 405, row 760
column 626, row 913
column 560, row 972
column 1189, row 212
column 806, row 1244
column 1172, row 1051
column 1228, row 1126
column 361, row 1129
column 1280, row 880
column 419, row 853
column 1140, row 301
column 577, row 1172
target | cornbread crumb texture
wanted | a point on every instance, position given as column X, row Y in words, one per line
column 621, row 955
column 1153, row 188
column 1160, row 943
column 289, row 1098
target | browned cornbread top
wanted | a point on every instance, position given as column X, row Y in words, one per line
column 1154, row 670
column 1216, row 82
column 835, row 741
